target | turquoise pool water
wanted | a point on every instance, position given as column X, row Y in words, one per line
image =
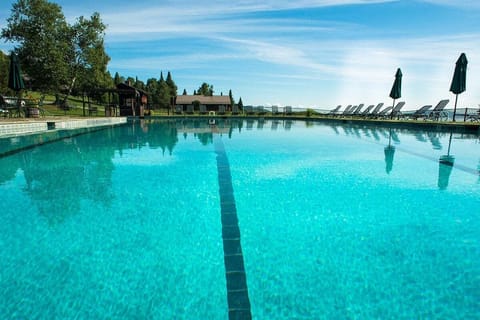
column 337, row 221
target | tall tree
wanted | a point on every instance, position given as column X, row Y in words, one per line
column 130, row 81
column 53, row 53
column 152, row 88
column 4, row 63
column 88, row 61
column 163, row 93
column 41, row 33
column 205, row 89
column 232, row 102
column 118, row 79
column 184, row 92
column 139, row 84
column 171, row 85
column 240, row 104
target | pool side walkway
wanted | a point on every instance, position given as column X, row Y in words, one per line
column 25, row 126
column 469, row 125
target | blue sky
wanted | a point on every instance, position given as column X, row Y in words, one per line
column 305, row 53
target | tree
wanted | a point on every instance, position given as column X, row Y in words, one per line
column 232, row 102
column 88, row 61
column 163, row 93
column 240, row 104
column 118, row 79
column 171, row 85
column 53, row 53
column 130, row 81
column 184, row 92
column 139, row 84
column 152, row 88
column 205, row 89
column 4, row 64
column 41, row 32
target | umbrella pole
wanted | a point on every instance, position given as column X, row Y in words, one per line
column 19, row 103
column 393, row 106
column 455, row 107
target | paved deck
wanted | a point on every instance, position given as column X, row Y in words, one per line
column 23, row 126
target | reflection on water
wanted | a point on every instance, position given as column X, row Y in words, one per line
column 60, row 175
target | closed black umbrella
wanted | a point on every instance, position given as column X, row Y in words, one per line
column 459, row 79
column 396, row 91
column 15, row 80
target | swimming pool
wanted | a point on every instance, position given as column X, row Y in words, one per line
column 335, row 221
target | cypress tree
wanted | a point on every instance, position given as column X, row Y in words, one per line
column 232, row 102
column 171, row 84
column 117, row 79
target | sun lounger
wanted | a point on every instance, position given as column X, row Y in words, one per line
column 384, row 113
column 375, row 111
column 365, row 112
column 347, row 110
column 391, row 112
column 352, row 111
column 334, row 111
column 358, row 110
column 420, row 113
column 396, row 110
column 438, row 112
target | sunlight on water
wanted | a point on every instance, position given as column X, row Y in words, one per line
column 336, row 221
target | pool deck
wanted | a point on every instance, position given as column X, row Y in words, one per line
column 458, row 126
column 25, row 126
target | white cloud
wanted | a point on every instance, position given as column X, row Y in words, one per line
column 455, row 3
column 204, row 17
column 328, row 62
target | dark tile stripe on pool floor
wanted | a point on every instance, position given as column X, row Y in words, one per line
column 237, row 290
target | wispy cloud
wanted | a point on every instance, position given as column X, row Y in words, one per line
column 328, row 51
column 454, row 3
